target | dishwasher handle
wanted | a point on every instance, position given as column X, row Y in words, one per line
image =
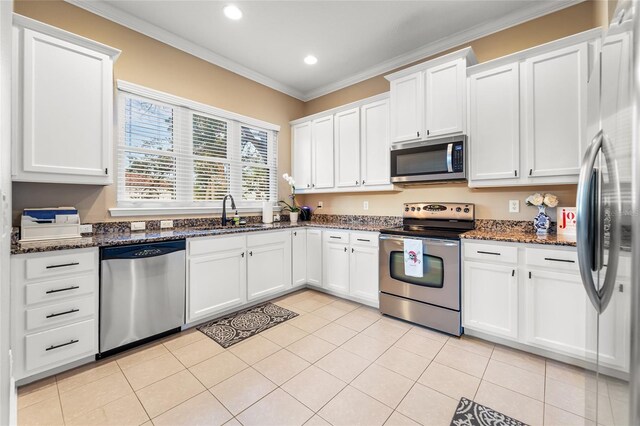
column 142, row 251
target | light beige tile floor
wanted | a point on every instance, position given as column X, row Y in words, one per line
column 338, row 363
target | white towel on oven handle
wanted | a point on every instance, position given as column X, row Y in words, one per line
column 413, row 258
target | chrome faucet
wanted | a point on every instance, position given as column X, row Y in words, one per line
column 224, row 208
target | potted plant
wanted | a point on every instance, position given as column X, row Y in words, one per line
column 293, row 208
column 541, row 221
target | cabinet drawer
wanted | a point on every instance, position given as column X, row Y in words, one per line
column 336, row 236
column 60, row 345
column 490, row 252
column 60, row 289
column 267, row 238
column 59, row 313
column 565, row 260
column 368, row 239
column 70, row 262
column 197, row 246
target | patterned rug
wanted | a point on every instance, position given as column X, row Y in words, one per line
column 469, row 413
column 241, row 325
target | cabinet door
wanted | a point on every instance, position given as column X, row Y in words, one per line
column 66, row 108
column 314, row 257
column 336, row 267
column 269, row 265
column 494, row 128
column 559, row 316
column 445, row 98
column 375, row 161
column 490, row 298
column 322, row 135
column 216, row 282
column 299, row 256
column 555, row 111
column 301, row 168
column 407, row 105
column 363, row 273
column 347, row 141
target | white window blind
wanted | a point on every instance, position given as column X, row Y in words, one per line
column 170, row 155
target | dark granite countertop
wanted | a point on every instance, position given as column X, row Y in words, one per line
column 124, row 238
column 519, row 236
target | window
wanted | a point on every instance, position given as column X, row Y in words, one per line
column 176, row 156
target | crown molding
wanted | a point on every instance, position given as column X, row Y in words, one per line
column 446, row 43
column 111, row 13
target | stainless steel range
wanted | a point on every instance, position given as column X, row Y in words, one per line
column 420, row 265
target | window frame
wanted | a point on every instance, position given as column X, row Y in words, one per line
column 183, row 114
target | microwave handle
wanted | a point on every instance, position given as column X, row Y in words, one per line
column 449, row 155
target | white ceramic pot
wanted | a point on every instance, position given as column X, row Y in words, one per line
column 293, row 217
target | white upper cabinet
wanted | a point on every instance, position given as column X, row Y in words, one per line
column 528, row 114
column 555, row 111
column 375, row 161
column 63, row 99
column 428, row 100
column 347, row 141
column 301, row 137
column 407, row 106
column 322, row 142
column 494, row 111
column 343, row 150
column 445, row 99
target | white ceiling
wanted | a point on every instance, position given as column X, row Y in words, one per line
column 353, row 40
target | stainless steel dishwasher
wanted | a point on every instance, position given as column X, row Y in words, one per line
column 142, row 293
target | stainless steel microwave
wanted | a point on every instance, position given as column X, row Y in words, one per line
column 439, row 160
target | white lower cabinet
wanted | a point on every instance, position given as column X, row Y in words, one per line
column 299, row 257
column 490, row 299
column 268, row 264
column 314, row 257
column 217, row 279
column 54, row 306
column 363, row 273
column 336, row 261
column 533, row 295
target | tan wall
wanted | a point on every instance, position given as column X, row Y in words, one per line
column 151, row 63
column 491, row 203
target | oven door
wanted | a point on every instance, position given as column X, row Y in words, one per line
column 428, row 162
column 440, row 284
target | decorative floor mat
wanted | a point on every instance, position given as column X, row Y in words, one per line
column 241, row 325
column 470, row 413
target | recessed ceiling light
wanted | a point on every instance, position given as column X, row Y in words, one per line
column 232, row 12
column 310, row 60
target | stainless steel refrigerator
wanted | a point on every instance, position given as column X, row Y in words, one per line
column 608, row 224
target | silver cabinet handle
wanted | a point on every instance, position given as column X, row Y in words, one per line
column 58, row 290
column 362, row 239
column 345, row 249
column 488, row 252
column 63, row 265
column 559, row 260
column 70, row 311
column 242, row 254
column 418, row 134
column 352, row 250
column 515, row 173
column 334, row 237
column 71, row 342
column 599, row 298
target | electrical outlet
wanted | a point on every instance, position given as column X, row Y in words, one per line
column 365, row 205
column 514, row 206
column 164, row 224
column 276, row 217
column 320, row 204
column 86, row 229
column 137, row 226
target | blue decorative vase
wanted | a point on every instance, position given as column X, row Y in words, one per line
column 541, row 221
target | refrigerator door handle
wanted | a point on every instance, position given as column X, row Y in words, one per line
column 586, row 254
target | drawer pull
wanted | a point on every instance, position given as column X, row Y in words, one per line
column 362, row 239
column 488, row 252
column 334, row 237
column 559, row 260
column 513, row 272
column 58, row 290
column 70, row 342
column 63, row 265
column 71, row 311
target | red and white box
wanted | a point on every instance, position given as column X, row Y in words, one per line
column 567, row 221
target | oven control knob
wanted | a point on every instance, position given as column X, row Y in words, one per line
column 466, row 210
column 458, row 209
column 406, row 209
column 418, row 208
column 413, row 209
